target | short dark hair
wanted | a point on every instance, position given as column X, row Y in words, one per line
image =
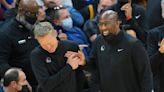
column 109, row 14
column 53, row 13
column 11, row 74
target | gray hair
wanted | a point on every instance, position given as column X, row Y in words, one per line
column 42, row 28
column 109, row 14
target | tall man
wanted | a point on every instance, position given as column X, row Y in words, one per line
column 120, row 60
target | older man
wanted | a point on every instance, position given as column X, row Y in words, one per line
column 55, row 70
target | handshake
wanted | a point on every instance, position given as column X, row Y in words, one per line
column 75, row 59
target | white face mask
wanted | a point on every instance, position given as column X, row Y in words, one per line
column 67, row 24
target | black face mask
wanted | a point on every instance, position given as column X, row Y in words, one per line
column 24, row 89
column 31, row 19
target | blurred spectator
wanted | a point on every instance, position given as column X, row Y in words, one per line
column 77, row 18
column 10, row 13
column 8, row 4
column 129, row 30
column 88, row 8
column 155, row 48
column 5, row 5
column 60, row 16
column 133, row 15
column 67, row 3
column 141, row 2
column 17, row 40
column 91, row 30
column 153, row 14
column 14, row 80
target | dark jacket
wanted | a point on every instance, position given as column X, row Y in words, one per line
column 155, row 36
column 16, row 44
column 52, row 71
column 122, row 65
column 153, row 14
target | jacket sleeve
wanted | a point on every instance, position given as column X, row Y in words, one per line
column 139, row 24
column 46, row 81
column 5, row 52
column 93, row 68
column 142, row 66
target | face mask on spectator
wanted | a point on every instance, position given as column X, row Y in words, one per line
column 31, row 19
column 25, row 89
column 67, row 23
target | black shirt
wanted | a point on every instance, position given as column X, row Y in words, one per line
column 122, row 65
column 155, row 36
column 52, row 72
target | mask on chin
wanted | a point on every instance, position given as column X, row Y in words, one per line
column 67, row 24
column 31, row 19
column 24, row 89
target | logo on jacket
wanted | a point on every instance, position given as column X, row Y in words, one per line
column 119, row 50
column 102, row 48
column 21, row 41
column 48, row 60
column 137, row 16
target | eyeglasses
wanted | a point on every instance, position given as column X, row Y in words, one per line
column 105, row 23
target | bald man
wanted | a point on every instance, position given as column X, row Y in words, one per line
column 17, row 42
column 119, row 60
column 14, row 80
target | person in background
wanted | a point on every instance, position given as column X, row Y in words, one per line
column 153, row 9
column 155, row 49
column 77, row 18
column 61, row 17
column 14, row 80
column 133, row 15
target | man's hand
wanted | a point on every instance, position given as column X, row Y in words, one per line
column 82, row 58
column 78, row 54
column 62, row 36
column 73, row 61
column 128, row 10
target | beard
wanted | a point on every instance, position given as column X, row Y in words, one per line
column 109, row 38
column 112, row 38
